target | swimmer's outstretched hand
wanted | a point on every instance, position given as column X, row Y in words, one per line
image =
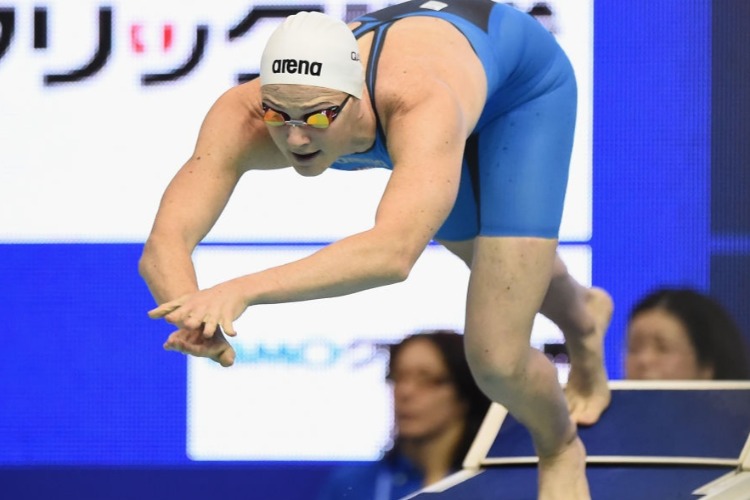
column 208, row 311
column 193, row 342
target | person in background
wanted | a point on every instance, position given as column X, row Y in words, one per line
column 437, row 411
column 682, row 334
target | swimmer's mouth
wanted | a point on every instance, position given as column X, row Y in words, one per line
column 305, row 157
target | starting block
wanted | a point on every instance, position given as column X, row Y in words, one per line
column 658, row 440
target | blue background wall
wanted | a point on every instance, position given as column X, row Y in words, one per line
column 652, row 89
column 82, row 373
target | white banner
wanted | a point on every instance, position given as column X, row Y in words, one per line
column 100, row 104
column 309, row 379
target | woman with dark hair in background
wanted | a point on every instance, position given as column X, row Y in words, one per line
column 437, row 410
column 681, row 334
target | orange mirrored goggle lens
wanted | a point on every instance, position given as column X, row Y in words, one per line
column 316, row 119
column 319, row 119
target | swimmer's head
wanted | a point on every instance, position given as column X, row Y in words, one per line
column 310, row 48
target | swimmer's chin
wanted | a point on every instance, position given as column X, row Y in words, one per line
column 311, row 169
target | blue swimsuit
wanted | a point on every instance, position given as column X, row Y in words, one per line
column 516, row 161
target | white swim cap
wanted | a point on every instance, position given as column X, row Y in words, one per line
column 310, row 48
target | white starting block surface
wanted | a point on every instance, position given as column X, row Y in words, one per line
column 657, row 440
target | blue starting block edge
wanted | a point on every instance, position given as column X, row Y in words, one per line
column 606, row 481
column 677, row 407
column 675, row 422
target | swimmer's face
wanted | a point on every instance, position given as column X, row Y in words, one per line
column 310, row 150
column 659, row 348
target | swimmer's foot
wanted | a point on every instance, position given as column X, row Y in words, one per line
column 587, row 390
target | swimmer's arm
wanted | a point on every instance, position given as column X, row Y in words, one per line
column 422, row 189
column 420, row 193
column 232, row 139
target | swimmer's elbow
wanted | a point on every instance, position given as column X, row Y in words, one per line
column 397, row 272
column 400, row 262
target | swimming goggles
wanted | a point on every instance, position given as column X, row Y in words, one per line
column 317, row 119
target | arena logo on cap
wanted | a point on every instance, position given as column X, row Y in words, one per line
column 297, row 66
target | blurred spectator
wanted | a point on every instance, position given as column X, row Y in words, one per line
column 681, row 334
column 437, row 411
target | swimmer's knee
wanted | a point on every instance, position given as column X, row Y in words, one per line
column 495, row 364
